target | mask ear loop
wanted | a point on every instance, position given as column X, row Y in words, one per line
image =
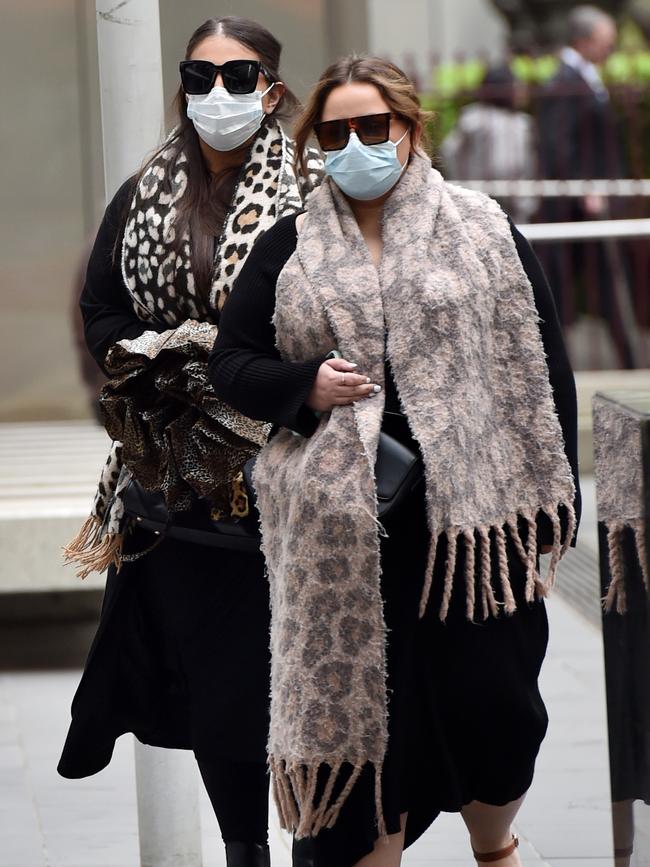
column 268, row 90
column 396, row 143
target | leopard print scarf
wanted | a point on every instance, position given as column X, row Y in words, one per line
column 161, row 287
column 458, row 313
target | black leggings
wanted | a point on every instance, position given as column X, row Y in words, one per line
column 239, row 792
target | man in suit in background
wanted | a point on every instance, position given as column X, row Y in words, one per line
column 578, row 129
column 579, row 139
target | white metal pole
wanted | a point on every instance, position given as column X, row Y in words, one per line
column 130, row 70
column 132, row 104
column 168, row 807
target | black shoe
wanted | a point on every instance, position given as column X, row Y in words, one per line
column 247, row 855
column 302, row 853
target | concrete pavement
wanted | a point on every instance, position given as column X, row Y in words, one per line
column 46, row 821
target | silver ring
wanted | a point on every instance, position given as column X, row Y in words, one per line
column 342, row 379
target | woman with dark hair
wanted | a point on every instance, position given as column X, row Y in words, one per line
column 404, row 508
column 493, row 140
column 181, row 654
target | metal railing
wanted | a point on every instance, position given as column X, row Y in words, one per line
column 570, row 161
column 598, row 269
column 631, row 340
column 624, row 188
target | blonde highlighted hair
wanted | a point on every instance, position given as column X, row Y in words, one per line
column 394, row 85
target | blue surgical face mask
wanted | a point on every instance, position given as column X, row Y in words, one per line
column 365, row 172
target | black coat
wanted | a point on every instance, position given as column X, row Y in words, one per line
column 181, row 654
column 579, row 136
column 453, row 687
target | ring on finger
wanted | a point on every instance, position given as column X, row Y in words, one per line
column 342, row 379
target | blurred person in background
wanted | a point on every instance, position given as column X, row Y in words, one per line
column 406, row 648
column 181, row 655
column 578, row 129
column 493, row 140
column 579, row 139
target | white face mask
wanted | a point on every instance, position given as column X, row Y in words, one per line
column 226, row 120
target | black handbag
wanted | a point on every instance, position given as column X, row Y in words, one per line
column 398, row 471
column 149, row 511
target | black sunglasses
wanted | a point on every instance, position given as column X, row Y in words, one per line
column 238, row 76
column 333, row 135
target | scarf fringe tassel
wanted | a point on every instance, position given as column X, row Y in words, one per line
column 294, row 791
column 478, row 563
column 616, row 596
column 90, row 551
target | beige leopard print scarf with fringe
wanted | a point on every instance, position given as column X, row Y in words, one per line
column 619, row 472
column 457, row 311
column 160, row 284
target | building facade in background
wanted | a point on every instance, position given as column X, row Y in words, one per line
column 419, row 34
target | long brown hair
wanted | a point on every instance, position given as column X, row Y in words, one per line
column 204, row 206
column 394, row 85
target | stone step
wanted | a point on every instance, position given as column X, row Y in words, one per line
column 48, row 478
column 49, row 473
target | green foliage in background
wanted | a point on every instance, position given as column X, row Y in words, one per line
column 626, row 73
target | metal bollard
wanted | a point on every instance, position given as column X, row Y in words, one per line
column 168, row 807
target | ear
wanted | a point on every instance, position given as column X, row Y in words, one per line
column 273, row 97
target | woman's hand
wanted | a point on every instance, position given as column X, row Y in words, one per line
column 337, row 385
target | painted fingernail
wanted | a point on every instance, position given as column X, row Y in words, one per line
column 367, row 380
column 376, row 389
column 352, row 364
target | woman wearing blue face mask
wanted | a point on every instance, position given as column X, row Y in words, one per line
column 404, row 509
column 181, row 654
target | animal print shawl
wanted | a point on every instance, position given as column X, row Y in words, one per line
column 168, row 428
column 452, row 308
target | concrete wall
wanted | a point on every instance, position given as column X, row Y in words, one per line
column 51, row 177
